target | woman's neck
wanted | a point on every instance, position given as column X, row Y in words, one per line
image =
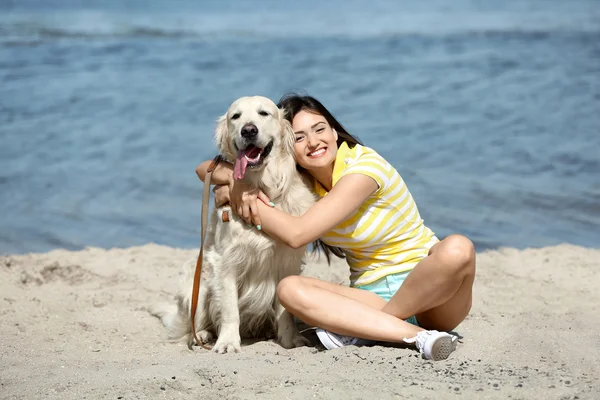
column 324, row 176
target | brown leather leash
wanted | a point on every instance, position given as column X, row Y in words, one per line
column 203, row 222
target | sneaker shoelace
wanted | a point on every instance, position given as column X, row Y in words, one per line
column 419, row 340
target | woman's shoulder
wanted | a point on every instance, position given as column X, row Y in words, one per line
column 360, row 154
column 366, row 161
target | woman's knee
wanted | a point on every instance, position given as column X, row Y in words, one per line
column 459, row 252
column 290, row 290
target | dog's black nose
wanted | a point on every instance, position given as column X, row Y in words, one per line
column 249, row 131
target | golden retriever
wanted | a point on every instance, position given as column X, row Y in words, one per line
column 242, row 266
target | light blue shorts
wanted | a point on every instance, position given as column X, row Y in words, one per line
column 386, row 287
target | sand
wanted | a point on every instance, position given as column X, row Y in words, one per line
column 76, row 325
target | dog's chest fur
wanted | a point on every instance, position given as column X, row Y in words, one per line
column 258, row 261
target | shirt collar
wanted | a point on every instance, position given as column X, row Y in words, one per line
column 341, row 159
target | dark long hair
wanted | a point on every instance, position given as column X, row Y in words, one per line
column 292, row 104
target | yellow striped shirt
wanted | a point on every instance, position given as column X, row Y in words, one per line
column 386, row 235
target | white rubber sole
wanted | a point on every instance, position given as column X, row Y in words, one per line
column 440, row 348
column 331, row 340
column 328, row 340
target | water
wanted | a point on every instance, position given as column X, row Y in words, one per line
column 489, row 110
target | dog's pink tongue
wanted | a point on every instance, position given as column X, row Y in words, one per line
column 239, row 169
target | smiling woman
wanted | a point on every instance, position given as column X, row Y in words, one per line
column 406, row 285
column 312, row 122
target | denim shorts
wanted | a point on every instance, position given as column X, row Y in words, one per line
column 386, row 287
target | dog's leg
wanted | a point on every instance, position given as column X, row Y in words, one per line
column 202, row 318
column 228, row 340
column 287, row 333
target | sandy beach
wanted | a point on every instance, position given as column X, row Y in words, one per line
column 76, row 325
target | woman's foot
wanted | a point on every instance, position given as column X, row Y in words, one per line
column 334, row 341
column 434, row 345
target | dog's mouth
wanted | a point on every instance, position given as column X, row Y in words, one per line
column 250, row 157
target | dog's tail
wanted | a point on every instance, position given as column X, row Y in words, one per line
column 177, row 325
column 166, row 313
column 176, row 316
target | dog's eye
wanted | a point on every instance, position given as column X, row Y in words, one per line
column 263, row 113
column 236, row 116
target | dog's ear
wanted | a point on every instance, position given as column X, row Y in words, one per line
column 288, row 138
column 221, row 137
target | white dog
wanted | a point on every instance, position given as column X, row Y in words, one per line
column 242, row 266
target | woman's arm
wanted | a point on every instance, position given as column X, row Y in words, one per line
column 222, row 175
column 349, row 193
column 243, row 199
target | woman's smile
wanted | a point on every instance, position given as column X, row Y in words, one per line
column 317, row 153
column 316, row 145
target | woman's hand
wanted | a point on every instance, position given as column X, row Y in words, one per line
column 243, row 201
column 221, row 195
column 222, row 174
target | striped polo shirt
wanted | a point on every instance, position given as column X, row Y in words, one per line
column 386, row 235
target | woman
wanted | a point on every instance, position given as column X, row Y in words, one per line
column 406, row 285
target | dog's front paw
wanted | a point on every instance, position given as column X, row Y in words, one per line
column 228, row 344
column 295, row 340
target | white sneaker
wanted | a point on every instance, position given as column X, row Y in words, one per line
column 334, row 341
column 434, row 345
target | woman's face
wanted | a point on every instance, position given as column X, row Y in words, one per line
column 316, row 141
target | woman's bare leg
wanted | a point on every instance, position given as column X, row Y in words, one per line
column 343, row 310
column 439, row 289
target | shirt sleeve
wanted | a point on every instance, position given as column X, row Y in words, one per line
column 371, row 165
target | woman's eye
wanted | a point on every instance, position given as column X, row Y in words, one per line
column 263, row 113
column 320, row 130
column 298, row 138
column 235, row 116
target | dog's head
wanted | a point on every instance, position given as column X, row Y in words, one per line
column 250, row 132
